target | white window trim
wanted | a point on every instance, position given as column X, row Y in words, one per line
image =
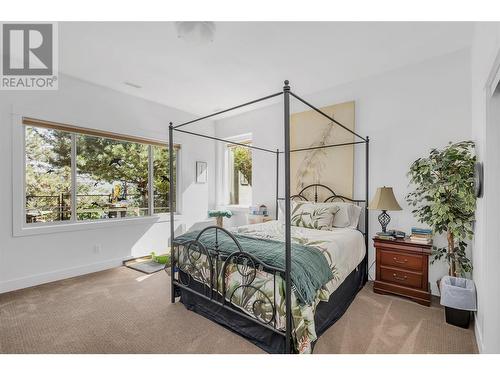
column 493, row 79
column 19, row 225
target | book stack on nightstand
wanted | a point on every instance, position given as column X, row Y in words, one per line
column 421, row 236
column 402, row 268
column 385, row 236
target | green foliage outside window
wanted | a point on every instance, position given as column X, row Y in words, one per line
column 243, row 162
column 48, row 174
column 104, row 167
column 102, row 162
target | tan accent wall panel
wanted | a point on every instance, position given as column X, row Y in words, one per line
column 333, row 167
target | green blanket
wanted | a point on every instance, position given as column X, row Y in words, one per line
column 310, row 270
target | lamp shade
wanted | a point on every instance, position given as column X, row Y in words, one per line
column 384, row 200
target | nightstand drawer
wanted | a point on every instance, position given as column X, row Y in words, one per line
column 401, row 260
column 401, row 277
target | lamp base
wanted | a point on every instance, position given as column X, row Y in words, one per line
column 384, row 219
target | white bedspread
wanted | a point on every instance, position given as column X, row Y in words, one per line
column 344, row 248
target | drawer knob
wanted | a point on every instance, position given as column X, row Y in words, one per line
column 399, row 278
column 396, row 260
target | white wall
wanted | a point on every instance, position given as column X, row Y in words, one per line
column 486, row 254
column 265, row 126
column 405, row 113
column 29, row 260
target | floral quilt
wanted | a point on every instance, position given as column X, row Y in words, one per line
column 343, row 249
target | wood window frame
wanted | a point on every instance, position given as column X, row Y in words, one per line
column 28, row 121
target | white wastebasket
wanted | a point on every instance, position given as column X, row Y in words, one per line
column 458, row 296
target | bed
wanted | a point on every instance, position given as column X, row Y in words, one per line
column 278, row 286
column 246, row 266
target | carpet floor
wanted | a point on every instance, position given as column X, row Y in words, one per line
column 124, row 311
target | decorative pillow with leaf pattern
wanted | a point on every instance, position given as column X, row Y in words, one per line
column 314, row 215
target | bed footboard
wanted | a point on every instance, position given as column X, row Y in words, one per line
column 239, row 282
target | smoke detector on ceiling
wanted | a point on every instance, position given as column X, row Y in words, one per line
column 196, row 33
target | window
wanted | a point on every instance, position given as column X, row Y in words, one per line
column 103, row 175
column 240, row 175
column 47, row 175
column 111, row 178
column 161, row 181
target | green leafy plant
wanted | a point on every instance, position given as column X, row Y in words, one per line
column 162, row 259
column 444, row 199
column 243, row 162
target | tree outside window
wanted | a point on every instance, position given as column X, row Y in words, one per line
column 47, row 175
column 112, row 177
column 240, row 175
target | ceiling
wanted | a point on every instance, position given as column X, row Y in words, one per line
column 247, row 59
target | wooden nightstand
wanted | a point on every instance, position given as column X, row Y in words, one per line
column 402, row 268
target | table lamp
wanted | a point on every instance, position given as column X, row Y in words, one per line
column 384, row 200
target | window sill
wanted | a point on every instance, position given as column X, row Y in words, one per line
column 31, row 230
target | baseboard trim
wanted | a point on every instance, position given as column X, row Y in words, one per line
column 477, row 333
column 47, row 277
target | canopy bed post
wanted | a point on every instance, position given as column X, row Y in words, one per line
column 277, row 180
column 171, row 192
column 288, row 242
column 203, row 296
column 367, row 171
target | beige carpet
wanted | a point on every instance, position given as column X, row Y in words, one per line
column 125, row 311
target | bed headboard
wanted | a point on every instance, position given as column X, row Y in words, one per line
column 313, row 192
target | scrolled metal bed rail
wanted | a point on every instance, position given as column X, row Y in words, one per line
column 189, row 257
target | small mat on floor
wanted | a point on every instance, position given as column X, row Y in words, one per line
column 146, row 267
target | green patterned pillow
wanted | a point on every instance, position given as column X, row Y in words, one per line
column 314, row 215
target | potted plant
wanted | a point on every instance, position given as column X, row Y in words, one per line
column 219, row 215
column 162, row 259
column 444, row 199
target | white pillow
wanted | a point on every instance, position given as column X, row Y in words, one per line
column 354, row 217
column 342, row 217
column 347, row 216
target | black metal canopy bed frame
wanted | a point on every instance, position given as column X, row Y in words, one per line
column 210, row 297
